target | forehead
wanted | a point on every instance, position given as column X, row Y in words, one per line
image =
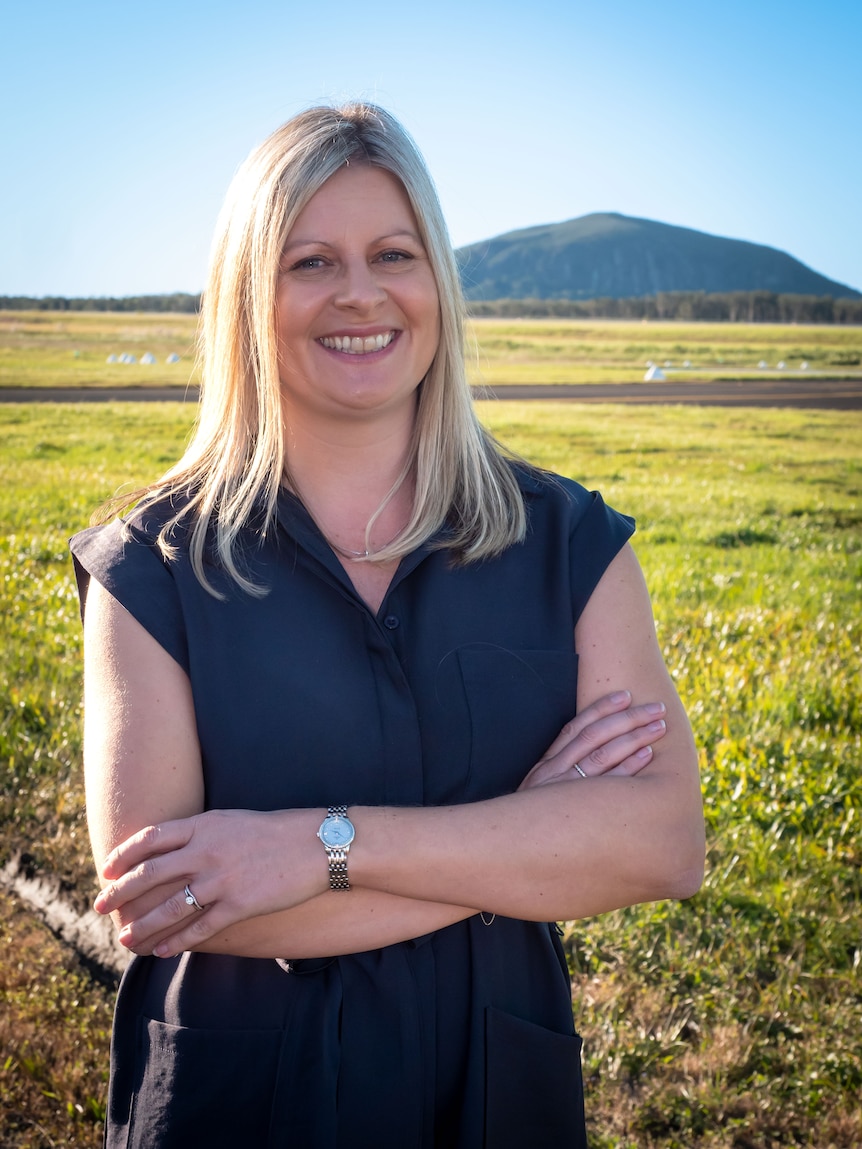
column 357, row 196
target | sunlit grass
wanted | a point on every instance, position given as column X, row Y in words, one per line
column 732, row 1019
column 71, row 349
column 68, row 349
column 614, row 351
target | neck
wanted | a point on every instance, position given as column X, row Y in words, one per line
column 344, row 479
column 332, row 454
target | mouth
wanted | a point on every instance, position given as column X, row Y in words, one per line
column 357, row 344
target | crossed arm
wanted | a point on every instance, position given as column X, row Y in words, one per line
column 562, row 847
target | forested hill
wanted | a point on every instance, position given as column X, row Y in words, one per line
column 617, row 257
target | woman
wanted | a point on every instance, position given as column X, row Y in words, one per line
column 336, row 791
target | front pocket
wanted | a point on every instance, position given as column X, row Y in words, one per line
column 518, row 702
column 534, row 1096
column 206, row 1087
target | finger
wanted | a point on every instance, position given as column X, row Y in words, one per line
column 614, row 754
column 599, row 744
column 162, row 870
column 173, row 914
column 601, row 708
column 199, row 930
column 603, row 731
column 635, row 763
column 131, row 911
column 147, row 843
column 629, row 767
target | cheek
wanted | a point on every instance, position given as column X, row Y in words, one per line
column 436, row 330
column 428, row 308
column 428, row 329
column 291, row 323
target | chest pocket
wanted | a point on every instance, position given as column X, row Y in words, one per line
column 517, row 700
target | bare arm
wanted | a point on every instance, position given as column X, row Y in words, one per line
column 568, row 849
column 143, row 768
column 572, row 849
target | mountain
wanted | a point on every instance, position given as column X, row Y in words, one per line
column 606, row 254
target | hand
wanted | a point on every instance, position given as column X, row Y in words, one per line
column 238, row 863
column 609, row 737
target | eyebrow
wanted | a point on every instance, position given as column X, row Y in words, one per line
column 323, row 243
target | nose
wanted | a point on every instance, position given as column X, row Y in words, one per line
column 358, row 287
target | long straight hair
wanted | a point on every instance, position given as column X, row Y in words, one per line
column 235, row 463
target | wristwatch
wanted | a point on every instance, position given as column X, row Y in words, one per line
column 337, row 832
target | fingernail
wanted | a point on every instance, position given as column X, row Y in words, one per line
column 657, row 727
column 621, row 696
column 644, row 754
column 161, row 950
column 655, row 708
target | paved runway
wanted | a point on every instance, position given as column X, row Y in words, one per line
column 790, row 392
column 834, row 394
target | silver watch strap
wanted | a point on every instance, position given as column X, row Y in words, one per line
column 338, row 879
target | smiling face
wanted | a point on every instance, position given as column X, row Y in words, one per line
column 358, row 316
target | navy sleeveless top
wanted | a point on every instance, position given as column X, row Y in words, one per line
column 459, row 1039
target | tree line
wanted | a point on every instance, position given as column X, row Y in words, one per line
column 717, row 307
column 178, row 301
column 728, row 306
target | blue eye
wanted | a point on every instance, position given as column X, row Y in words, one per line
column 312, row 263
column 394, row 256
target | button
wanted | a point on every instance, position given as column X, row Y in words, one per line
column 392, row 622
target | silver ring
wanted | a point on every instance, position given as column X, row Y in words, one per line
column 577, row 767
column 191, row 900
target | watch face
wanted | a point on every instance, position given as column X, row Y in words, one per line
column 337, row 832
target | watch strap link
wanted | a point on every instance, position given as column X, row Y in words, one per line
column 338, row 879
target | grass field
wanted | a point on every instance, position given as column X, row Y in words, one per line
column 730, row 1020
column 49, row 349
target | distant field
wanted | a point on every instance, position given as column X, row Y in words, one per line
column 70, row 349
column 729, row 1020
column 611, row 351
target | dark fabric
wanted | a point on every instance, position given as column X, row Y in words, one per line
column 450, row 693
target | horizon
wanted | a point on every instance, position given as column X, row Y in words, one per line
column 514, row 232
column 129, row 124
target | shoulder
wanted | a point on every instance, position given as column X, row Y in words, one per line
column 142, row 528
column 127, row 559
column 553, row 497
column 129, row 555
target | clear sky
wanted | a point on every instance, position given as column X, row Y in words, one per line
column 122, row 123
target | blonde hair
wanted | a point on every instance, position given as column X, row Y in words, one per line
column 235, row 462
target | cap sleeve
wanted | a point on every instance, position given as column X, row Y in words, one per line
column 127, row 563
column 597, row 536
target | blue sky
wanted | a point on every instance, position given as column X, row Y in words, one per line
column 123, row 123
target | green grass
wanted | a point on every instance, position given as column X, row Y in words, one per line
column 71, row 349
column 733, row 1019
column 54, row 1033
column 729, row 1020
column 48, row 349
column 611, row 351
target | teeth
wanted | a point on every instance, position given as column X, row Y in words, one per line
column 357, row 345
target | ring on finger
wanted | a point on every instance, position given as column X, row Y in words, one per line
column 577, row 767
column 191, row 900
